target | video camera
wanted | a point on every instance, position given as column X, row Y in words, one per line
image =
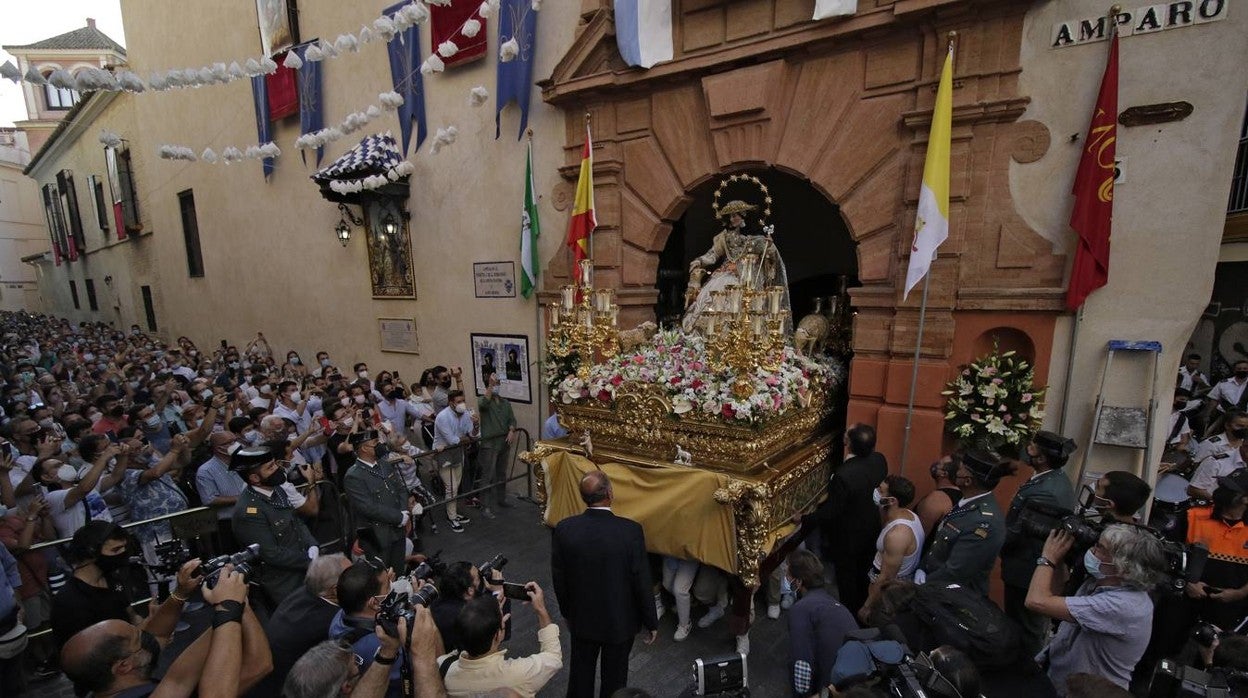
column 171, row 555
column 399, row 604
column 1183, row 563
column 891, row 665
column 245, row 562
column 498, row 562
column 1174, row 680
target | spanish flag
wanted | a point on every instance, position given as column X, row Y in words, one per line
column 583, row 221
column 931, row 224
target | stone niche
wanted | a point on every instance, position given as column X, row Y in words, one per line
column 845, row 105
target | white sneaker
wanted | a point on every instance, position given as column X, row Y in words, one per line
column 682, row 632
column 711, row 616
column 743, row 644
column 773, row 611
column 659, row 608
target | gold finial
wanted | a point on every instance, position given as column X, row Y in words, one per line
column 587, row 117
column 529, row 133
column 1115, row 9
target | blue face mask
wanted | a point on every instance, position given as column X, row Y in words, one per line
column 1092, row 564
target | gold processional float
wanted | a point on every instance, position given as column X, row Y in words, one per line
column 714, row 433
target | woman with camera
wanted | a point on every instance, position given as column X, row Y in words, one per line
column 1105, row 626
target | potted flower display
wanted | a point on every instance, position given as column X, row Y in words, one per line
column 994, row 403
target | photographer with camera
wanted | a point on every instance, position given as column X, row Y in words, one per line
column 116, row 659
column 264, row 516
column 1105, row 626
column 330, row 669
column 457, row 585
column 362, row 593
column 482, row 666
column 1118, row 496
column 969, row 537
column 1050, row 489
column 99, row 588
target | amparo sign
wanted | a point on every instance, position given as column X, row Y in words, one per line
column 1142, row 20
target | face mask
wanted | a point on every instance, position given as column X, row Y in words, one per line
column 344, row 401
column 117, row 412
column 95, row 417
column 461, row 408
column 277, row 479
column 234, row 365
column 1239, row 433
column 295, row 396
column 253, row 437
column 207, row 371
column 381, row 450
column 294, row 360
column 1241, row 374
column 205, row 394
column 134, row 385
column 348, row 422
column 47, row 422
column 1178, row 406
column 265, row 389
column 445, row 383
column 324, row 363
column 112, row 563
column 359, row 399
column 1092, row 564
column 152, row 422
column 67, row 473
column 396, row 395
column 363, row 374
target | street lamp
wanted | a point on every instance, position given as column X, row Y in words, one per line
column 388, row 226
column 343, row 231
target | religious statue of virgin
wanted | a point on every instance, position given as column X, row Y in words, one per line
column 728, row 247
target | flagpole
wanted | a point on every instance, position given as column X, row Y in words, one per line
column 541, row 355
column 1070, row 369
column 914, row 372
column 589, row 139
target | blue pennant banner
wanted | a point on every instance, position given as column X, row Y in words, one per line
column 404, row 50
column 260, row 99
column 311, row 103
column 516, row 20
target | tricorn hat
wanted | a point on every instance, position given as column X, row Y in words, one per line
column 735, row 206
column 248, row 458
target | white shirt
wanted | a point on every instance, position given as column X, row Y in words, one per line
column 68, row 520
column 1187, row 427
column 450, row 427
column 1230, row 390
column 398, row 411
column 184, row 371
column 1188, row 380
column 968, row 500
column 1215, row 466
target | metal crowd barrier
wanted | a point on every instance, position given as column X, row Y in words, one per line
column 197, row 514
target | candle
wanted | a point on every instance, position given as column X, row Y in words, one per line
column 587, row 272
column 717, row 301
column 553, row 313
column 775, row 294
column 756, row 323
column 756, row 303
column 567, row 295
column 709, row 318
column 615, row 315
column 748, row 267
column 734, row 299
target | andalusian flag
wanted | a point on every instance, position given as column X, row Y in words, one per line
column 931, row 225
column 530, row 230
column 583, row 221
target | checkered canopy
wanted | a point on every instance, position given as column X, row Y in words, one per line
column 375, row 155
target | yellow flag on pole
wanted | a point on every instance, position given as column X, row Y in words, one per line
column 931, row 225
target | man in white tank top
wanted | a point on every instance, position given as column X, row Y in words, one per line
column 900, row 543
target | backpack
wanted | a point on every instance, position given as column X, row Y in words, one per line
column 968, row 621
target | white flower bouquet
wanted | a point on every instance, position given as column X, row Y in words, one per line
column 994, row 403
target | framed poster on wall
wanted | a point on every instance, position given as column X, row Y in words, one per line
column 506, row 355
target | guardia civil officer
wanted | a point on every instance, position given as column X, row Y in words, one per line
column 264, row 515
column 969, row 538
column 1050, row 490
column 379, row 501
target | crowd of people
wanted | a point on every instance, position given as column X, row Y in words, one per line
column 323, row 481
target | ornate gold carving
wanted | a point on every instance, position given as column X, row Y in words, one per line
column 640, row 423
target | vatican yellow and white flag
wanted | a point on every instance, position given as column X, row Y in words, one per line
column 931, row 224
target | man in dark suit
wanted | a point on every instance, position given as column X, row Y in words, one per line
column 378, row 497
column 602, row 581
column 849, row 519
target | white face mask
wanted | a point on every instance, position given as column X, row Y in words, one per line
column 205, row 394
column 294, row 361
column 67, row 473
column 47, row 422
column 95, row 417
column 348, row 422
column 876, row 497
column 363, row 374
column 345, row 401
column 461, row 408
column 359, row 399
column 152, row 422
column 265, row 389
column 295, row 396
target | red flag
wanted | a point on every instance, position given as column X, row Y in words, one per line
column 583, row 220
column 283, row 95
column 446, row 23
column 1092, row 217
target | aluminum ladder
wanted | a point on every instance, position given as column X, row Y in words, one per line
column 1125, row 426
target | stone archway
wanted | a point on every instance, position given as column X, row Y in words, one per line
column 845, row 106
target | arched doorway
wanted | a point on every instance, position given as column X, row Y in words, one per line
column 818, row 250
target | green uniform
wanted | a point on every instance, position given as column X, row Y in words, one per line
column 1018, row 556
column 966, row 544
column 378, row 499
column 282, row 536
column 494, row 457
